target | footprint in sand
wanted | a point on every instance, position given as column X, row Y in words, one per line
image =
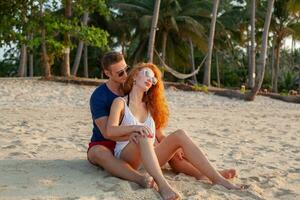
column 9, row 146
column 48, row 182
column 3, row 187
column 18, row 154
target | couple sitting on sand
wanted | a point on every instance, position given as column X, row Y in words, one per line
column 129, row 113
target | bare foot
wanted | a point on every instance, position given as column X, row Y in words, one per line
column 228, row 173
column 167, row 193
column 147, row 182
column 229, row 185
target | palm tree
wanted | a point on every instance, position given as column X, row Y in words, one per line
column 44, row 55
column 23, row 61
column 284, row 24
column 262, row 59
column 252, row 52
column 153, row 31
column 80, row 46
column 176, row 23
column 66, row 56
column 207, row 73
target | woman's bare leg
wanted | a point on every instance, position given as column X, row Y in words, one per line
column 179, row 165
column 145, row 151
column 194, row 155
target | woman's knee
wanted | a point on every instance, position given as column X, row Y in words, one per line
column 144, row 140
column 180, row 134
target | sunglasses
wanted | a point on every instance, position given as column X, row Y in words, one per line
column 147, row 74
column 122, row 71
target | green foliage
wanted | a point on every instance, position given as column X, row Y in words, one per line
column 125, row 25
column 178, row 19
column 202, row 88
column 8, row 68
column 288, row 81
column 21, row 23
column 99, row 6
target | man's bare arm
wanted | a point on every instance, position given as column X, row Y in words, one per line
column 102, row 123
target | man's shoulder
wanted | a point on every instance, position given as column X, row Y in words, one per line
column 99, row 92
column 102, row 89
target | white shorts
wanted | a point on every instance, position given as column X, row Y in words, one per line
column 119, row 148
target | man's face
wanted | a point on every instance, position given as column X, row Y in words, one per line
column 118, row 72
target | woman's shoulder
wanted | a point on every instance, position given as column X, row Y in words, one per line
column 119, row 101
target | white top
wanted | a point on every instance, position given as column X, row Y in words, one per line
column 129, row 119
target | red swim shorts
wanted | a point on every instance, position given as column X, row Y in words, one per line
column 109, row 144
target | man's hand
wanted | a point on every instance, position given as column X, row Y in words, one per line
column 179, row 153
column 134, row 137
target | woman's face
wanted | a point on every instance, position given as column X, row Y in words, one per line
column 145, row 79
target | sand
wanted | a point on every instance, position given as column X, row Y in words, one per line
column 45, row 128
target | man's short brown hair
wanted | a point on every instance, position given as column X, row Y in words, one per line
column 111, row 58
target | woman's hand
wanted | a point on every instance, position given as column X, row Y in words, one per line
column 144, row 131
column 134, row 137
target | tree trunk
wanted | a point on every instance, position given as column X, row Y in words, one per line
column 252, row 67
column 192, row 59
column 277, row 59
column 153, row 31
column 273, row 62
column 65, row 70
column 44, row 55
column 80, row 47
column 45, row 58
column 31, row 64
column 299, row 80
column 249, row 59
column 262, row 59
column 23, row 61
column 207, row 72
column 85, row 61
column 26, row 65
column 164, row 47
column 218, row 70
column 292, row 53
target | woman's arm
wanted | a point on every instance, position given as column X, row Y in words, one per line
column 113, row 130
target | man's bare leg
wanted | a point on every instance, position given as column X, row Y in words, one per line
column 103, row 157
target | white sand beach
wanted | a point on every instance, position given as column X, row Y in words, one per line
column 45, row 128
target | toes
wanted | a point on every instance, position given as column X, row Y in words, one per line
column 149, row 182
column 244, row 187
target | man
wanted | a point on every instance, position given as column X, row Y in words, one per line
column 101, row 147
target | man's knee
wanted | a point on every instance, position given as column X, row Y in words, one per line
column 100, row 154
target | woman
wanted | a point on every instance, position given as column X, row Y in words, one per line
column 140, row 117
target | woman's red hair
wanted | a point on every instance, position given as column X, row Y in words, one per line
column 154, row 97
